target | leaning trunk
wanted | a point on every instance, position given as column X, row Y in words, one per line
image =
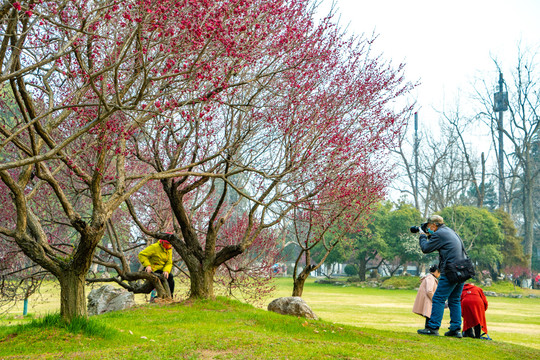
column 72, row 295
column 299, row 281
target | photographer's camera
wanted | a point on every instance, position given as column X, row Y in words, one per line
column 415, row 229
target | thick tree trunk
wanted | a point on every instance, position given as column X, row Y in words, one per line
column 202, row 283
column 72, row 295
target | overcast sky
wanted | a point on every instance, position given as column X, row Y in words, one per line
column 445, row 44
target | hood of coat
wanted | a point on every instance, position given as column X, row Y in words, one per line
column 468, row 286
column 428, row 275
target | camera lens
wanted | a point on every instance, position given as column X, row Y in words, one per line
column 414, row 229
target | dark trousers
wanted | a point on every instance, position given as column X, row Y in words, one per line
column 474, row 332
column 170, row 280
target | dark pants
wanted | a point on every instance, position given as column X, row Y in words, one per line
column 170, row 280
column 474, row 332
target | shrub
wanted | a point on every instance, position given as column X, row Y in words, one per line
column 350, row 270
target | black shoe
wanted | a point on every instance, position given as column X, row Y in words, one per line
column 428, row 331
column 454, row 333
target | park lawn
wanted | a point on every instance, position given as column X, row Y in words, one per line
column 508, row 319
column 229, row 329
column 371, row 323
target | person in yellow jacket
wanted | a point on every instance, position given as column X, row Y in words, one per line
column 158, row 258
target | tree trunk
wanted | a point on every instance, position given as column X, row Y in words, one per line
column 202, row 283
column 528, row 212
column 72, row 295
column 362, row 269
column 299, row 281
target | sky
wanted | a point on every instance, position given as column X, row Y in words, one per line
column 445, row 44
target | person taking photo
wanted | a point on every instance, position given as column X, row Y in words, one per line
column 436, row 236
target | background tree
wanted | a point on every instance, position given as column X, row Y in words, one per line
column 520, row 131
column 481, row 234
column 364, row 246
column 393, row 223
column 19, row 276
column 446, row 167
column 511, row 250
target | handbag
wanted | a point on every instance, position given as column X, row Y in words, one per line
column 460, row 271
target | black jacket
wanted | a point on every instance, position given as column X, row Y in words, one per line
column 447, row 242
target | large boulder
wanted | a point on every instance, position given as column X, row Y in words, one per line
column 109, row 298
column 292, row 305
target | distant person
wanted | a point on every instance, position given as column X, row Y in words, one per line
column 473, row 309
column 450, row 247
column 537, row 281
column 158, row 258
column 423, row 302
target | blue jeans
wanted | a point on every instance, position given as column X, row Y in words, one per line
column 445, row 291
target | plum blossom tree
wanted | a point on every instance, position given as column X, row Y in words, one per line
column 242, row 110
column 319, row 118
column 85, row 78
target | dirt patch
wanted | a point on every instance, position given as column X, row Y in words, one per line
column 212, row 354
column 9, row 337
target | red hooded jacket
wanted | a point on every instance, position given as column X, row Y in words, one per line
column 473, row 307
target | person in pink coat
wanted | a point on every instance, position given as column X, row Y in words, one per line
column 428, row 285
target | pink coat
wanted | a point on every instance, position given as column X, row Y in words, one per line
column 423, row 301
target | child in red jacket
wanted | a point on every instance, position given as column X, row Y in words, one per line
column 473, row 310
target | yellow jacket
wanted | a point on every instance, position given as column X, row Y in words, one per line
column 157, row 257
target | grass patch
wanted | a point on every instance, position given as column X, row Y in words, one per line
column 503, row 287
column 78, row 325
column 402, row 282
column 228, row 329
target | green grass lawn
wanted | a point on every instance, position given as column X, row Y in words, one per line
column 508, row 319
column 228, row 329
column 355, row 323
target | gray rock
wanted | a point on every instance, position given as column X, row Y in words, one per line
column 491, row 293
column 292, row 305
column 109, row 298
